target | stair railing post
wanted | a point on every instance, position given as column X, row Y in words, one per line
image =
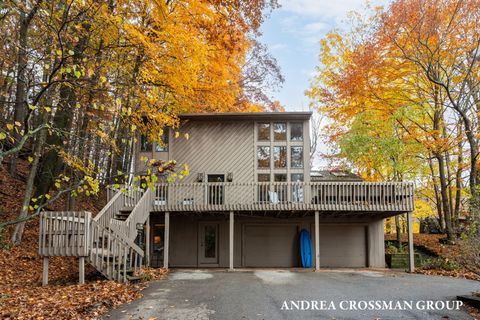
column 45, row 271
column 81, row 270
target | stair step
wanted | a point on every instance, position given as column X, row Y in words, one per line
column 133, row 278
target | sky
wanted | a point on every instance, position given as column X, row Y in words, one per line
column 292, row 34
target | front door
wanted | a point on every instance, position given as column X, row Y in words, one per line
column 208, row 243
column 215, row 194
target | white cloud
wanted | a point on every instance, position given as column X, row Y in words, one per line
column 316, row 27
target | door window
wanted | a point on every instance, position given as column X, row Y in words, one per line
column 215, row 192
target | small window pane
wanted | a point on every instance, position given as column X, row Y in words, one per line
column 280, row 177
column 297, row 177
column 263, row 132
column 263, row 177
column 280, row 157
column 296, row 132
column 145, row 145
column 163, row 147
column 296, row 157
column 280, row 131
column 263, row 157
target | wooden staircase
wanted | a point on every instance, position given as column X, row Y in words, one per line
column 106, row 241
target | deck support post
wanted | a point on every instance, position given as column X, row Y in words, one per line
column 147, row 242
column 411, row 258
column 231, row 241
column 45, row 272
column 81, row 270
column 317, row 241
column 166, row 240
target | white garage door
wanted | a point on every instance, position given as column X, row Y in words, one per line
column 270, row 245
column 343, row 246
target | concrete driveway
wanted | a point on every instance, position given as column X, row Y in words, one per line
column 278, row 294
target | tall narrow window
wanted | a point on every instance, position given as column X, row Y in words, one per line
column 296, row 157
column 263, row 187
column 297, row 187
column 296, row 132
column 263, row 157
column 280, row 157
column 280, row 189
column 164, row 145
column 145, row 145
column 263, row 131
column 280, row 131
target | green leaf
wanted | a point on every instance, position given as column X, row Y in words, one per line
column 2, row 135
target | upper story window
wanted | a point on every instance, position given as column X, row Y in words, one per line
column 296, row 131
column 163, row 147
column 145, row 145
column 263, row 132
column 279, row 131
column 263, row 157
column 280, row 157
column 296, row 157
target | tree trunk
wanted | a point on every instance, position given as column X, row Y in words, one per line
column 444, row 196
column 398, row 229
column 21, row 104
column 19, row 228
column 438, row 201
column 51, row 163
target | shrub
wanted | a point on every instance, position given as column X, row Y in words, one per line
column 469, row 256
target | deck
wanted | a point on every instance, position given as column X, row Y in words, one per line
column 288, row 196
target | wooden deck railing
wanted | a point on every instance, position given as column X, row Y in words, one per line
column 69, row 233
column 322, row 196
column 64, row 233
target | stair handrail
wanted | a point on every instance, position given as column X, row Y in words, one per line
column 140, row 213
column 111, row 208
column 111, row 254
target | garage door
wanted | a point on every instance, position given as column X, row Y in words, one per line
column 270, row 245
column 343, row 246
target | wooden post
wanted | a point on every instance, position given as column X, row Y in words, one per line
column 411, row 256
column 81, row 270
column 166, row 240
column 45, row 272
column 231, row 241
column 147, row 242
column 317, row 242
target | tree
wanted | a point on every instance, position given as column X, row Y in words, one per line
column 387, row 71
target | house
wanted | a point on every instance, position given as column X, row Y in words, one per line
column 249, row 193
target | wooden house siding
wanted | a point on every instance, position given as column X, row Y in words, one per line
column 216, row 148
